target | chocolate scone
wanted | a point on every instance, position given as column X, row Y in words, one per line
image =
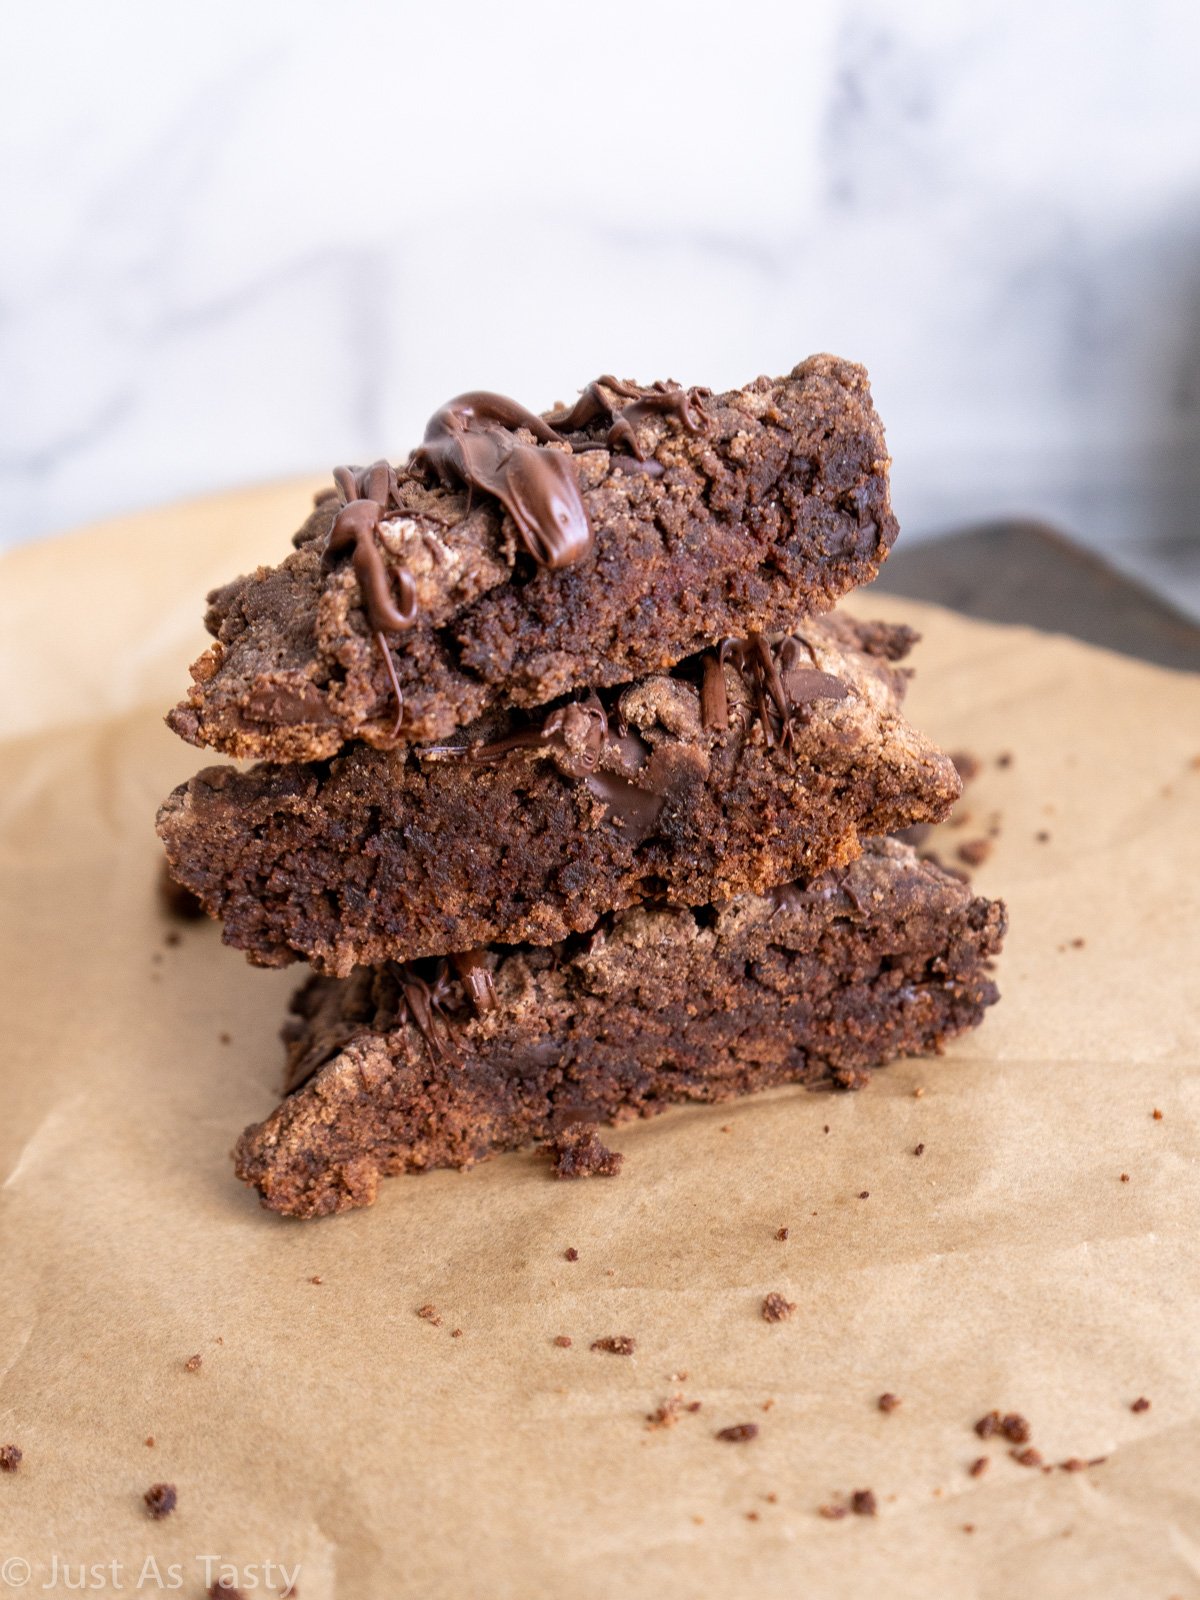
column 442, row 1063
column 518, row 557
column 742, row 768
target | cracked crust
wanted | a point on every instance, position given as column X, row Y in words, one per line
column 395, row 855
column 780, row 508
column 884, row 958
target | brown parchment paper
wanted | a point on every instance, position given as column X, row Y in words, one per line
column 329, row 1427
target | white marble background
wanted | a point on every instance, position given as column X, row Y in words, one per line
column 244, row 238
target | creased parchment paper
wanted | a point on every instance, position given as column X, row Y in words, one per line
column 329, row 1427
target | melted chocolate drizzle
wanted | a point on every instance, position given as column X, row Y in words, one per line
column 470, row 443
column 366, row 492
column 663, row 398
column 781, row 688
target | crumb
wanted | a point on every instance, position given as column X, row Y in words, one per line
column 1005, row 758
column 825, row 1129
column 740, row 1433
column 766, row 1405
column 576, row 1152
column 571, row 1254
column 219, row 1340
column 666, row 1414
column 1029, row 1457
column 726, row 1127
column 752, row 1516
column 456, row 1333
column 173, row 938
column 832, row 1513
column 1015, row 1428
column 978, row 1467
column 918, row 1150
column 610, row 1272
column 1140, row 1404
column 966, row 765
column 160, row 1500
column 677, row 1377
column 225, row 1038
column 865, row 1195
column 1124, row 1177
column 1077, row 944
column 1156, row 1114
column 1042, row 836
column 430, row 1314
column 771, row 1498
column 699, row 1521
column 863, row 1503
column 1072, row 1464
column 968, row 1527
column 563, row 1341
column 617, row 1344
column 919, row 1093
column 776, row 1309
column 149, row 1441
column 975, row 851
column 782, row 1233
column 888, row 1401
column 316, row 1279
column 194, row 1363
column 10, row 1457
column 1097, row 1461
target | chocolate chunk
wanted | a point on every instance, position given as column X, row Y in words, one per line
column 740, row 1433
column 11, row 1456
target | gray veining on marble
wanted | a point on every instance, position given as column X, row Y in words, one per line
column 249, row 240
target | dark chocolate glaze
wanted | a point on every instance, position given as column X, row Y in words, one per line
column 470, row 443
column 365, row 493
